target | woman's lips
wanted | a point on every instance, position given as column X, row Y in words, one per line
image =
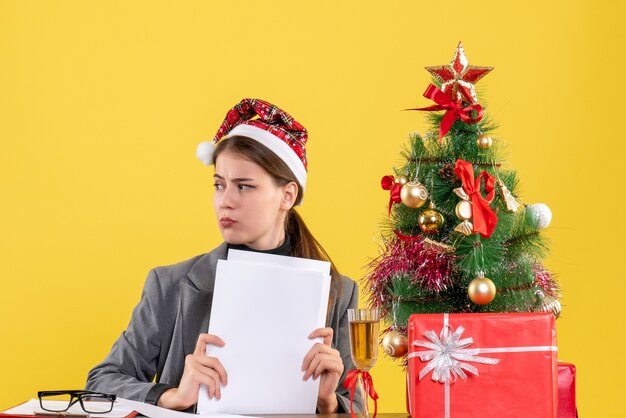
column 227, row 222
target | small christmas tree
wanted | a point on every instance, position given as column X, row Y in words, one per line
column 457, row 237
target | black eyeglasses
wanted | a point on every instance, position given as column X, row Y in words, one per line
column 62, row 400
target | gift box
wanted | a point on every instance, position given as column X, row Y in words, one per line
column 567, row 390
column 482, row 365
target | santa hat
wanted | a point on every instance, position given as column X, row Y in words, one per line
column 274, row 128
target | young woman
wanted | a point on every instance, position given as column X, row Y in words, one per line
column 260, row 175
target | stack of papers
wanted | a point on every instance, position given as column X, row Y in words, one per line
column 264, row 307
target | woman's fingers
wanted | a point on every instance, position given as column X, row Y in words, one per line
column 207, row 371
column 212, row 381
column 212, row 363
column 321, row 358
column 328, row 364
column 317, row 348
column 206, row 339
column 200, row 369
column 202, row 374
column 326, row 333
column 323, row 363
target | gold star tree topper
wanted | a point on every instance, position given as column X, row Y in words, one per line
column 458, row 78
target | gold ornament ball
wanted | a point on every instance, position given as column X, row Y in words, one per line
column 430, row 221
column 395, row 344
column 484, row 141
column 553, row 305
column 413, row 194
column 402, row 180
column 481, row 290
column 548, row 304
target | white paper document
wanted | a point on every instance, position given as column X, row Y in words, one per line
column 264, row 307
column 153, row 411
column 282, row 260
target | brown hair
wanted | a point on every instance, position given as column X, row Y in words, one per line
column 303, row 243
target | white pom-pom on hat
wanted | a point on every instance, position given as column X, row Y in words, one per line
column 542, row 213
column 205, row 152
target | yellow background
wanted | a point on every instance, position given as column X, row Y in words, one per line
column 102, row 104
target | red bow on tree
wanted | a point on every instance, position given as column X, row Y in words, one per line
column 351, row 381
column 483, row 217
column 454, row 109
column 388, row 183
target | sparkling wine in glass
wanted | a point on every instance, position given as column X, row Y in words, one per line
column 364, row 328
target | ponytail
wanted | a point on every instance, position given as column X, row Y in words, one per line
column 304, row 244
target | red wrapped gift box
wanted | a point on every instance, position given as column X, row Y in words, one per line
column 482, row 365
column 567, row 391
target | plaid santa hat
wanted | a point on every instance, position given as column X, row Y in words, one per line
column 270, row 126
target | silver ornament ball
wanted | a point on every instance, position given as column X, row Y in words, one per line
column 542, row 213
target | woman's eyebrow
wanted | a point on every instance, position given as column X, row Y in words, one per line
column 235, row 179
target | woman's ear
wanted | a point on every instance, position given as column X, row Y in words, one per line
column 290, row 194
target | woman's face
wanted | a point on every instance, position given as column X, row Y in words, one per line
column 249, row 206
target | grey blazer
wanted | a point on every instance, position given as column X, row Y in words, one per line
column 175, row 306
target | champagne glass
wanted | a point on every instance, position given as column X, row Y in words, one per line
column 364, row 326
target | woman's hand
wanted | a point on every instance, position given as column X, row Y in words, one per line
column 200, row 369
column 323, row 360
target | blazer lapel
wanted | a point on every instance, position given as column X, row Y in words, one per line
column 197, row 296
